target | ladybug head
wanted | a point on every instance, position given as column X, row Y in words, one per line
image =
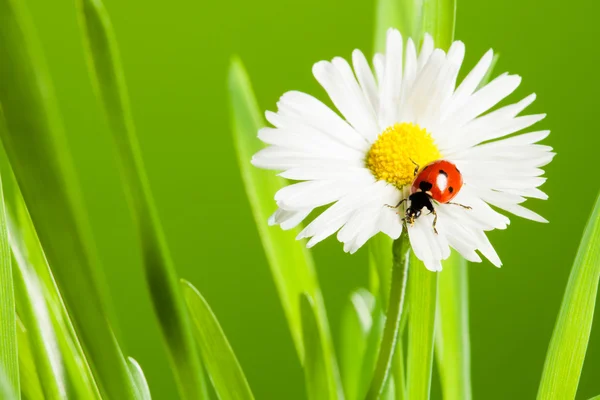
column 418, row 201
column 411, row 215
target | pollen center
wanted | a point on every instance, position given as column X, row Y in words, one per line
column 393, row 156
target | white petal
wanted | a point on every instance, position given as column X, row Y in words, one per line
column 390, row 87
column 319, row 173
column 365, row 78
column 313, row 194
column 469, row 84
column 341, row 90
column 426, row 51
column 484, row 99
column 288, row 219
column 304, row 110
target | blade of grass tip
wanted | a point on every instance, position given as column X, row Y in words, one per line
column 36, row 147
column 404, row 15
column 26, row 248
column 143, row 391
column 362, row 324
column 439, row 18
column 35, row 315
column 31, row 388
column 290, row 262
column 317, row 360
column 221, row 364
column 9, row 359
column 453, row 349
column 109, row 81
column 422, row 292
column 401, row 251
column 568, row 346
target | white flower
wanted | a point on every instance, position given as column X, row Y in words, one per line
column 411, row 109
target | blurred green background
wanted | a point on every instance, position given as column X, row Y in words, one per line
column 176, row 56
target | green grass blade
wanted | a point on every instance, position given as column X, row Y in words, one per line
column 380, row 264
column 320, row 384
column 36, row 147
column 568, row 346
column 221, row 364
column 6, row 390
column 35, row 316
column 422, row 293
column 9, row 359
column 453, row 349
column 143, row 391
column 27, row 250
column 439, row 18
column 291, row 264
column 404, row 15
column 595, row 398
column 31, row 388
column 360, row 323
column 107, row 76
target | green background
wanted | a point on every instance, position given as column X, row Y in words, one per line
column 176, row 56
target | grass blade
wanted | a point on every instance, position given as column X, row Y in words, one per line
column 9, row 359
column 36, row 147
column 143, row 391
column 422, row 293
column 453, row 349
column 380, row 264
column 569, row 342
column 107, row 76
column 31, row 388
column 35, row 316
column 221, row 364
column 320, row 384
column 362, row 325
column 439, row 18
column 30, row 257
column 291, row 264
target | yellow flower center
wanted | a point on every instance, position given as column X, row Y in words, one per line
column 393, row 156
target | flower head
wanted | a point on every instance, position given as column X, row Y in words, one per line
column 406, row 114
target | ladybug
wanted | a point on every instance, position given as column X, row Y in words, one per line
column 438, row 182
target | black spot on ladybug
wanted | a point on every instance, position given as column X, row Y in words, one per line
column 442, row 172
column 451, row 189
column 425, row 186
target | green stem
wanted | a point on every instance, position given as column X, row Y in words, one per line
column 452, row 332
column 400, row 251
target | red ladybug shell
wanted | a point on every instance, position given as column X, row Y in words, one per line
column 440, row 179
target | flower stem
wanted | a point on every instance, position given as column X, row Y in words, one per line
column 400, row 263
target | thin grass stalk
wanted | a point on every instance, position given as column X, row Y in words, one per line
column 401, row 251
column 36, row 147
column 109, row 81
column 9, row 359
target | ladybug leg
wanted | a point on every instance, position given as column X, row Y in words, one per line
column 460, row 205
column 397, row 205
column 417, row 167
column 434, row 221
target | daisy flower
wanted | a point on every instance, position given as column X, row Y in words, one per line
column 407, row 111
